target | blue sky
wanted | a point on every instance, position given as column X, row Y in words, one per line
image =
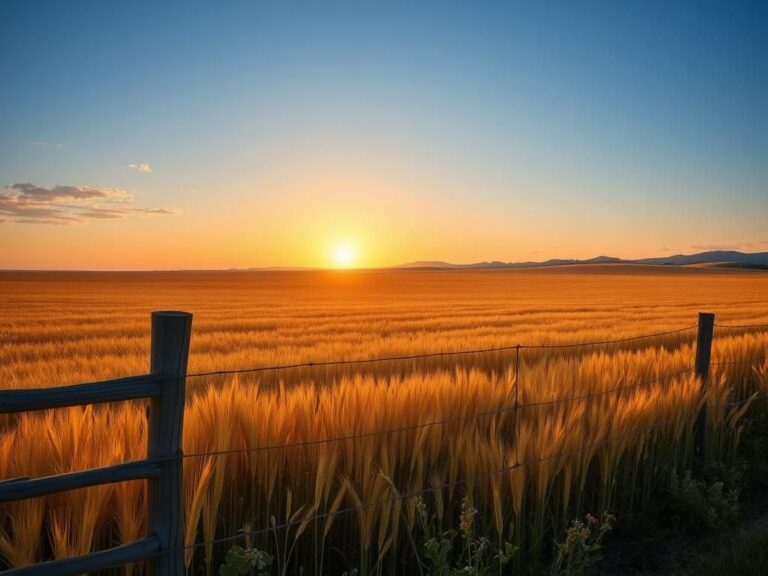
column 276, row 132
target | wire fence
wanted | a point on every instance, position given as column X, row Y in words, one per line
column 513, row 408
column 743, row 326
column 490, row 413
column 454, row 420
column 733, row 362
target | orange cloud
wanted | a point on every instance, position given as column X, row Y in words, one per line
column 26, row 203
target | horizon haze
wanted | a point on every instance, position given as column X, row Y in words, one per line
column 714, row 258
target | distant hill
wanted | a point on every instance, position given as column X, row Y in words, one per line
column 757, row 259
column 728, row 258
column 429, row 264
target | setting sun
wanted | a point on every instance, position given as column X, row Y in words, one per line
column 343, row 256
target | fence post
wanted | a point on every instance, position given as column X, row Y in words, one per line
column 165, row 495
column 703, row 353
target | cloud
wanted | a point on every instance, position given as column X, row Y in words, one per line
column 164, row 211
column 46, row 145
column 140, row 167
column 37, row 221
column 34, row 193
column 27, row 203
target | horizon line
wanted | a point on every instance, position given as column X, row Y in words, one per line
column 415, row 264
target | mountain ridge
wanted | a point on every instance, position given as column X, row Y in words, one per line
column 724, row 258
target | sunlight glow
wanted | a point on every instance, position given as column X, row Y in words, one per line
column 343, row 256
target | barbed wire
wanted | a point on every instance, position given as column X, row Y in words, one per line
column 453, row 420
column 741, row 326
column 517, row 347
column 606, row 342
column 433, row 488
column 732, row 362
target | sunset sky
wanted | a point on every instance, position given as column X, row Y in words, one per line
column 216, row 135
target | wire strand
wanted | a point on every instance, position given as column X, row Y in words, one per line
column 741, row 326
column 453, row 420
column 432, row 488
column 312, row 364
column 732, row 362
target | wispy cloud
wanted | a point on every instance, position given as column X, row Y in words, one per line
column 140, row 167
column 162, row 211
column 26, row 203
column 46, row 145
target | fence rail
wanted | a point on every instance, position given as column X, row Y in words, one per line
column 22, row 488
column 132, row 388
column 164, row 386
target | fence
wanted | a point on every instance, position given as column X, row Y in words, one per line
column 164, row 386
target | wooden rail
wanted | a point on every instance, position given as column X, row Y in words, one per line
column 143, row 549
column 131, row 388
column 21, row 488
column 165, row 387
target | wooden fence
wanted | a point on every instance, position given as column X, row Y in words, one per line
column 165, row 388
column 163, row 547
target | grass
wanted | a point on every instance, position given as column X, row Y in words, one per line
column 744, row 555
column 61, row 328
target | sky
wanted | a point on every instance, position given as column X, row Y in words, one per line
column 142, row 135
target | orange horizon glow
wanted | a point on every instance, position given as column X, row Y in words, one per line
column 322, row 210
column 173, row 244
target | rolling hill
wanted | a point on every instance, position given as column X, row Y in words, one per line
column 724, row 258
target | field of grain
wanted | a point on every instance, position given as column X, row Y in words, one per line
column 526, row 471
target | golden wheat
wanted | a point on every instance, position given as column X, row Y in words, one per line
column 602, row 452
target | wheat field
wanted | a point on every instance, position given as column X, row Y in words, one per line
column 526, row 470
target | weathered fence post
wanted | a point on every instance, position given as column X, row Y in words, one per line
column 703, row 353
column 170, row 349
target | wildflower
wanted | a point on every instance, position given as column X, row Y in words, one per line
column 467, row 517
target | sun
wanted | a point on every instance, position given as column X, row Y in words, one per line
column 343, row 256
